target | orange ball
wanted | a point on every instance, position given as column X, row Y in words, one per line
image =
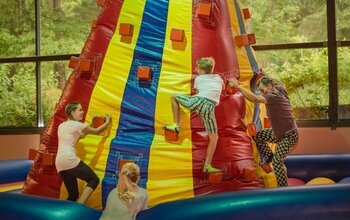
column 295, row 182
column 320, row 180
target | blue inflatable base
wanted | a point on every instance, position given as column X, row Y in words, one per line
column 19, row 206
column 322, row 202
column 289, row 203
column 14, row 170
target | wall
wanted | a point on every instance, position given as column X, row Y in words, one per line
column 17, row 146
column 323, row 140
column 312, row 141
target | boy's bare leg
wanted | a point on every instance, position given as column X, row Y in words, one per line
column 85, row 195
column 175, row 108
column 176, row 111
column 213, row 140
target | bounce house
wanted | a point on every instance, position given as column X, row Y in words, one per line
column 137, row 55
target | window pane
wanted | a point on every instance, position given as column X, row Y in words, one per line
column 343, row 16
column 17, row 30
column 344, row 82
column 305, row 74
column 54, row 77
column 65, row 25
column 17, row 95
column 286, row 21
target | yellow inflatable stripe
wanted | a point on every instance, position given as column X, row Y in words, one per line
column 11, row 186
column 94, row 150
column 245, row 70
column 170, row 164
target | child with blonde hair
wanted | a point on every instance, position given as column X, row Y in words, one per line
column 209, row 87
column 126, row 200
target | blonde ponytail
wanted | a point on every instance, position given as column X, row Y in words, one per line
column 128, row 178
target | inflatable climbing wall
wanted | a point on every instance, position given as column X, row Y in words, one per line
column 139, row 53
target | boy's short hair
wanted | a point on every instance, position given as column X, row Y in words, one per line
column 206, row 64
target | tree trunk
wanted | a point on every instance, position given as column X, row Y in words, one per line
column 60, row 72
column 57, row 5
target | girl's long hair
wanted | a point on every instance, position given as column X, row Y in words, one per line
column 266, row 80
column 128, row 178
column 70, row 107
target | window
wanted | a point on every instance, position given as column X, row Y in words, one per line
column 64, row 28
column 343, row 35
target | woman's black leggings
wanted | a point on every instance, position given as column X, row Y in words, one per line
column 82, row 171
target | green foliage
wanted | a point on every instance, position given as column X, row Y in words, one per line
column 343, row 75
column 343, row 16
column 65, row 27
column 17, row 28
column 50, row 86
column 283, row 21
column 18, row 95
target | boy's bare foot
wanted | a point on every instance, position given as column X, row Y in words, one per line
column 209, row 169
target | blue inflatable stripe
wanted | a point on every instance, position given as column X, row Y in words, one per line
column 136, row 124
column 240, row 18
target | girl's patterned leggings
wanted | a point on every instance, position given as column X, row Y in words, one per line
column 284, row 146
